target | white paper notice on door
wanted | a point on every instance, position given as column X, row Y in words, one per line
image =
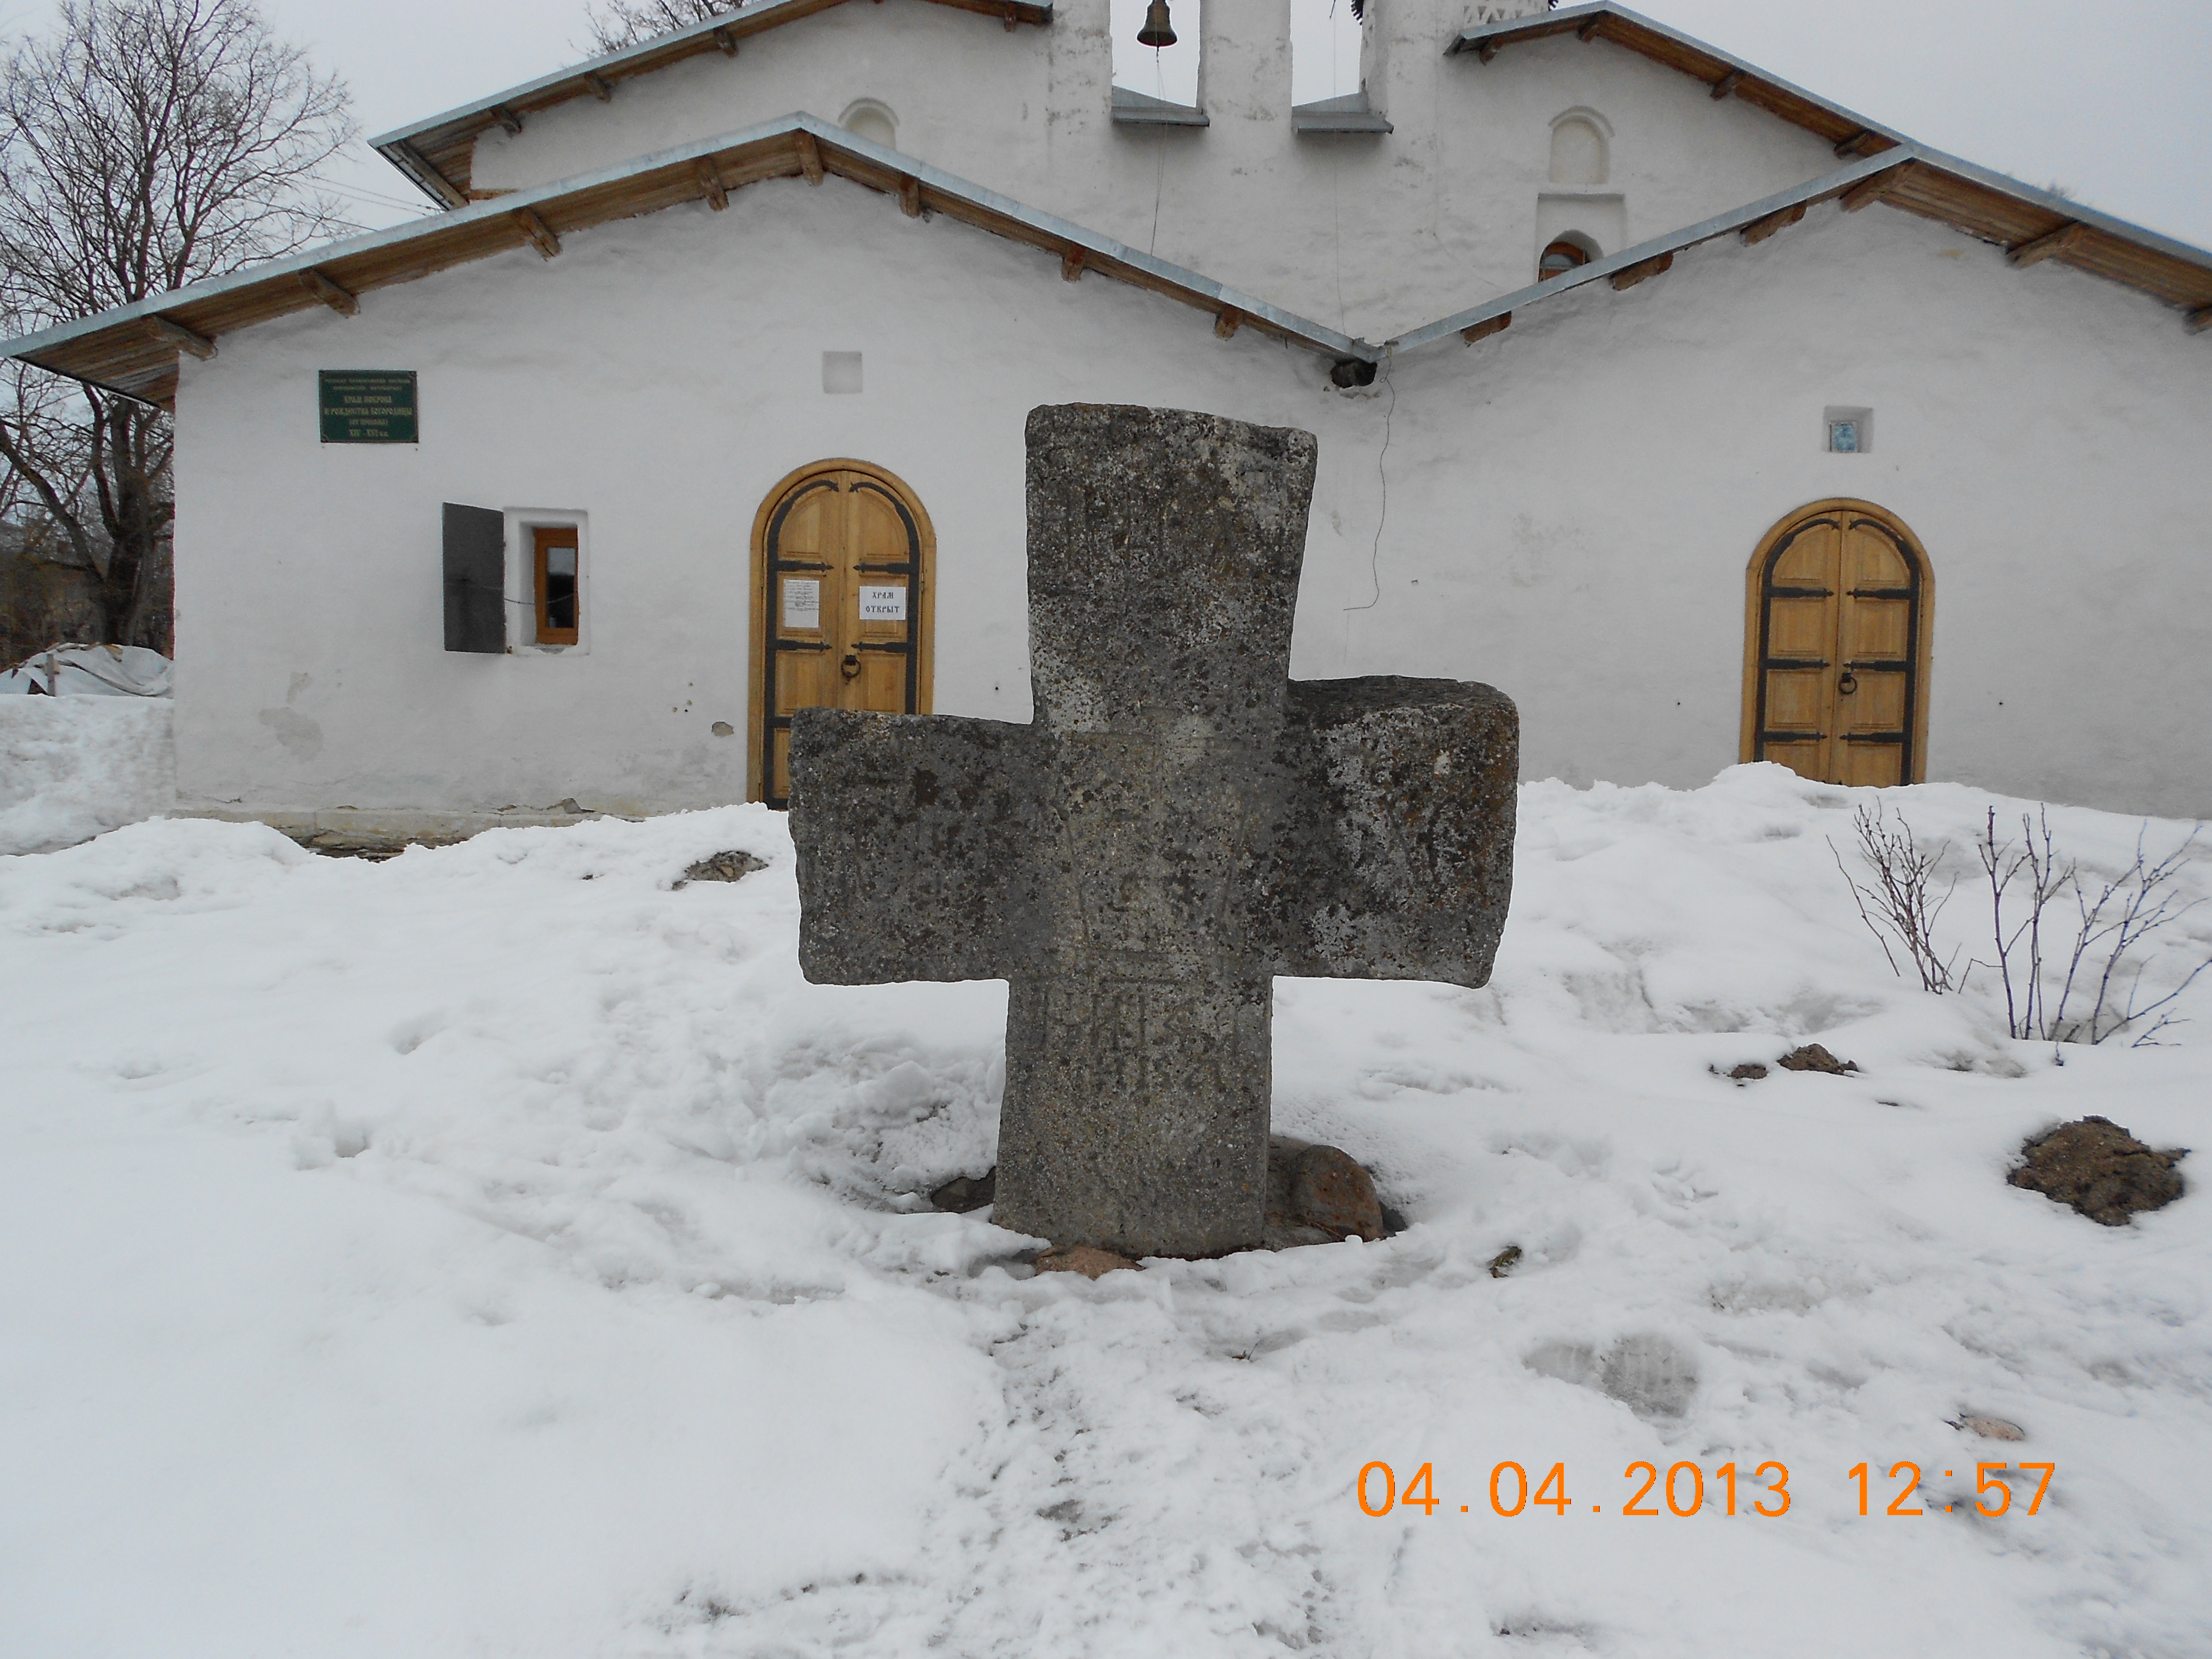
column 802, row 601
column 886, row 603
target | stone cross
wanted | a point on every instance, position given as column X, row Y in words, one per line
column 1181, row 823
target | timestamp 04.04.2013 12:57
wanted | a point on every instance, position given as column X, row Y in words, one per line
column 1682, row 1491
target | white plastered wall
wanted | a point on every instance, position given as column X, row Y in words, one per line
column 1574, row 503
column 1565, row 511
column 658, row 377
column 1373, row 234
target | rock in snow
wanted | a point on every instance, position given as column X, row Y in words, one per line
column 454, row 1256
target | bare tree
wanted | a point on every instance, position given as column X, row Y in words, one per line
column 614, row 24
column 144, row 144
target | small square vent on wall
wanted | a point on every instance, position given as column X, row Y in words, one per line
column 841, row 371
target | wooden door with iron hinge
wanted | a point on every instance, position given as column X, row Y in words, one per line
column 844, row 574
column 1839, row 602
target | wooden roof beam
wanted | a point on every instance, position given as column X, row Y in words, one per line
column 1726, row 84
column 1867, row 191
column 2198, row 320
column 1625, row 280
column 1226, row 324
column 602, row 89
column 910, row 196
column 539, row 233
column 1760, row 229
column 1587, row 32
column 337, row 299
column 711, row 187
column 1488, row 49
column 184, row 339
column 1866, row 141
column 507, row 118
column 726, row 41
column 1474, row 332
column 1071, row 264
column 810, row 156
column 2036, row 250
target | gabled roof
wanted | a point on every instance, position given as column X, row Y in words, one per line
column 133, row 349
column 1727, row 76
column 437, row 154
column 2032, row 225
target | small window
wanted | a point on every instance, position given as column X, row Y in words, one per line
column 1850, row 431
column 558, row 597
column 1561, row 257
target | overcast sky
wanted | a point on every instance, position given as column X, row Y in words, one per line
column 2113, row 100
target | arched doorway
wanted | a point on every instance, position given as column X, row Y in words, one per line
column 1838, row 606
column 844, row 578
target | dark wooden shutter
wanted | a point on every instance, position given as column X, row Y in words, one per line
column 476, row 579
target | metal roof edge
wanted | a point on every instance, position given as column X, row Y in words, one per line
column 576, row 71
column 1546, row 23
column 2110, row 224
column 1827, row 184
column 1673, row 242
column 825, row 132
column 384, row 143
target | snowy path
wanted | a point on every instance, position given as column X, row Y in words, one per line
column 495, row 1251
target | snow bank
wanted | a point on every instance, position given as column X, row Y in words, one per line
column 89, row 671
column 501, row 1251
column 72, row 766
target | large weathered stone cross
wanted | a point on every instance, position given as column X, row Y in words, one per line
column 1182, row 823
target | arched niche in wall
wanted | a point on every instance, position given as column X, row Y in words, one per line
column 866, row 118
column 1582, row 149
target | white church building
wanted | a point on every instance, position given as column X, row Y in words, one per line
column 1709, row 421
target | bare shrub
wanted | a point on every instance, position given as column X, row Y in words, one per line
column 2069, row 974
column 1899, row 907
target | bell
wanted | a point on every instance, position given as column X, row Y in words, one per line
column 1157, row 31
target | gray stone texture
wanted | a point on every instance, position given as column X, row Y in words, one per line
column 1181, row 823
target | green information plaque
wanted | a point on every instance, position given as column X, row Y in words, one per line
column 367, row 405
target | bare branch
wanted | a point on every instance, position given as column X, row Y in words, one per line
column 619, row 23
column 145, row 145
column 1900, row 905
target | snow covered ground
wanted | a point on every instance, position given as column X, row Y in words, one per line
column 72, row 767
column 501, row 1251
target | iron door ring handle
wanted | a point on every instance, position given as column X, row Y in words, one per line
column 1849, row 683
column 851, row 666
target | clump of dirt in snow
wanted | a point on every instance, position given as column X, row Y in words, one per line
column 1815, row 1058
column 734, row 866
column 2100, row 1170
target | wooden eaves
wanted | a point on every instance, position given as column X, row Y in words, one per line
column 438, row 154
column 1726, row 77
column 133, row 349
column 2032, row 225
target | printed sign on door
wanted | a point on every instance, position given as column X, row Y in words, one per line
column 802, row 601
column 884, row 604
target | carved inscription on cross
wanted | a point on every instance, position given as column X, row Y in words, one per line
column 1181, row 823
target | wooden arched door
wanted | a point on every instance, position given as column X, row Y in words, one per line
column 844, row 570
column 1836, row 641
